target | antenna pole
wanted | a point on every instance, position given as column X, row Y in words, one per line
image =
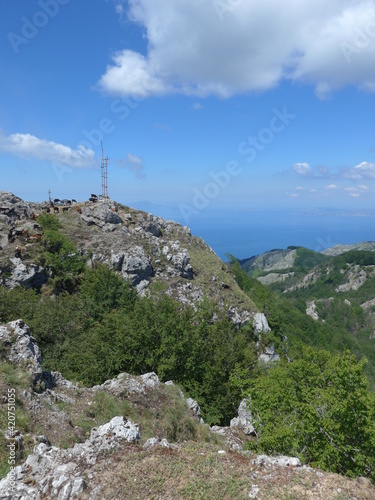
column 104, row 174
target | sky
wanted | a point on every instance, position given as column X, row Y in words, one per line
column 200, row 104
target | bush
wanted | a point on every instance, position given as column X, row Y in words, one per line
column 317, row 407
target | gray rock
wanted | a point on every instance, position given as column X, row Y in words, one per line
column 56, row 472
column 231, row 440
column 127, row 384
column 260, row 324
column 150, row 379
column 269, row 355
column 280, row 461
column 27, row 275
column 151, row 443
column 195, row 409
column 136, row 266
column 181, row 262
column 100, row 215
column 21, row 348
column 244, row 421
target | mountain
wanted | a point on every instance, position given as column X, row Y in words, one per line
column 335, row 288
column 146, row 250
column 140, row 350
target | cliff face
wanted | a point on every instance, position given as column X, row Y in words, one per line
column 147, row 251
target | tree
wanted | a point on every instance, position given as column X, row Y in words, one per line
column 319, row 408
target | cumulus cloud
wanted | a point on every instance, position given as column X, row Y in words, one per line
column 134, row 164
column 302, row 168
column 331, row 186
column 364, row 170
column 202, row 47
column 30, row 147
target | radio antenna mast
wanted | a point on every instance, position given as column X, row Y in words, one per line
column 104, row 173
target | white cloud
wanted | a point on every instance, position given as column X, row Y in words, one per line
column 30, row 147
column 134, row 164
column 292, row 195
column 331, row 186
column 299, row 188
column 195, row 48
column 132, row 74
column 364, row 170
column 355, row 192
column 302, row 168
column 312, row 190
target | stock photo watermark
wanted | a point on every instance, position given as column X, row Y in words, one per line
column 223, row 7
column 11, row 432
column 31, row 26
column 361, row 40
column 249, row 149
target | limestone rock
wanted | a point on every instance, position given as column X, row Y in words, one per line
column 125, row 384
column 195, row 409
column 50, row 472
column 136, row 267
column 311, row 310
column 260, row 323
column 21, row 348
column 244, row 421
column 100, row 215
column 280, row 461
column 27, row 275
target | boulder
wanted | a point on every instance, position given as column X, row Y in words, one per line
column 100, row 215
column 260, row 324
column 27, row 275
column 244, row 421
column 136, row 267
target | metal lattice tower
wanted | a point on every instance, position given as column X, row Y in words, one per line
column 104, row 173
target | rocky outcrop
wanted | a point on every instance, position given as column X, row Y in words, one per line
column 195, row 409
column 13, row 208
column 27, row 275
column 280, row 461
column 244, row 421
column 19, row 347
column 125, row 384
column 260, row 324
column 101, row 215
column 356, row 277
column 311, row 310
column 50, row 472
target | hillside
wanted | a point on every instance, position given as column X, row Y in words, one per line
column 149, row 252
column 336, row 289
column 133, row 437
column 117, row 303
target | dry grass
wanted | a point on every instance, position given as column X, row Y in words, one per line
column 197, row 471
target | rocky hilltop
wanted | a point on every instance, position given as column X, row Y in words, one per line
column 146, row 250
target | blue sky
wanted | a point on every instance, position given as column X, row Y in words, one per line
column 199, row 103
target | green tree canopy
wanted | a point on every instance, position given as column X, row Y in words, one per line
column 317, row 407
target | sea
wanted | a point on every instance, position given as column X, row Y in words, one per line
column 245, row 232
